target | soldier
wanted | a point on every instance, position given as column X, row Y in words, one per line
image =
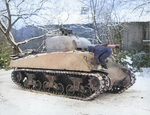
column 100, row 54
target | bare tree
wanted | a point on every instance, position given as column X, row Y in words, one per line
column 106, row 20
column 101, row 12
column 12, row 11
column 25, row 12
column 140, row 6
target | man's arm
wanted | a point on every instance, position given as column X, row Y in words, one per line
column 113, row 46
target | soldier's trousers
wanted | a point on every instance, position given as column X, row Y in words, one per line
column 103, row 56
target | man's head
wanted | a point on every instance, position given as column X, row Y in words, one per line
column 91, row 48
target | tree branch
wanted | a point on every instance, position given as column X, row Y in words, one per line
column 2, row 28
column 3, row 10
column 20, row 3
column 141, row 5
column 26, row 41
column 15, row 21
column 9, row 17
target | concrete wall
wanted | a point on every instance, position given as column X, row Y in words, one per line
column 134, row 34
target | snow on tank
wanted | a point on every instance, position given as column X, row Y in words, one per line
column 66, row 43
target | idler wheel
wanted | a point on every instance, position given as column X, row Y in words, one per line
column 17, row 76
column 70, row 90
column 94, row 83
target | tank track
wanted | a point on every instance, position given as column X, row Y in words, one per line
column 121, row 89
column 104, row 82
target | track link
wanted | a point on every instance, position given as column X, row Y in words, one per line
column 103, row 80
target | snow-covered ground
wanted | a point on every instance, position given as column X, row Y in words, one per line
column 134, row 101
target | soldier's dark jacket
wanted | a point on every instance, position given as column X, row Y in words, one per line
column 98, row 50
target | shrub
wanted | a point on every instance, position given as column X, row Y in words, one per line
column 134, row 59
column 4, row 57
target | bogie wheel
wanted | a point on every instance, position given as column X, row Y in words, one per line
column 60, row 88
column 38, row 85
column 70, row 90
column 46, row 86
column 87, row 91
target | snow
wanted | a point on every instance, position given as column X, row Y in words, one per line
column 127, row 59
column 16, row 101
column 146, row 72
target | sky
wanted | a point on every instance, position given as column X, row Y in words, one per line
column 69, row 12
column 134, row 13
column 126, row 12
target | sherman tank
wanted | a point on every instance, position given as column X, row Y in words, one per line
column 68, row 69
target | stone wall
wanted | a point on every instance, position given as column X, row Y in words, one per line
column 134, row 34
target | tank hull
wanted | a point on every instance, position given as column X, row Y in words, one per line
column 65, row 71
column 76, row 61
column 74, row 74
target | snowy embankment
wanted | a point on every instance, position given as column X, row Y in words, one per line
column 134, row 101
